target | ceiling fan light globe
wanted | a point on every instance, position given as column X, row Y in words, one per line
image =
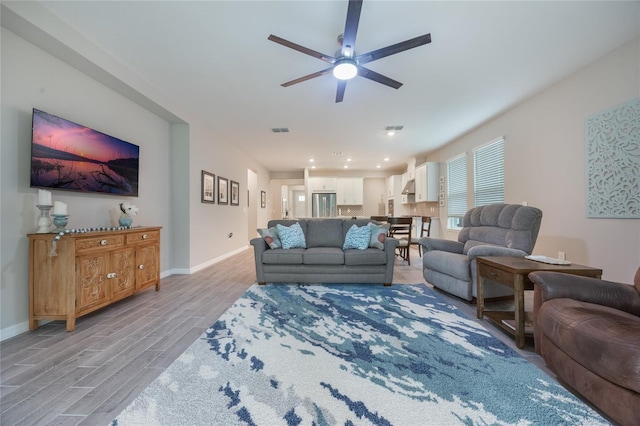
column 345, row 69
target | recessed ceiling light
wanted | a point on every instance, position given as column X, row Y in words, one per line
column 348, row 159
column 311, row 160
column 391, row 133
column 346, row 166
column 378, row 166
column 313, row 167
column 386, row 158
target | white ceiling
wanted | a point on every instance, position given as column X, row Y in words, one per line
column 213, row 58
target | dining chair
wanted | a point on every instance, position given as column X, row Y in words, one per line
column 425, row 231
column 400, row 229
column 382, row 219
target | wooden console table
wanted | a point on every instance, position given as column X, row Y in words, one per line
column 513, row 272
column 91, row 270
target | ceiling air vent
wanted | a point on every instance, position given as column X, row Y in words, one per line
column 393, row 128
column 280, row 130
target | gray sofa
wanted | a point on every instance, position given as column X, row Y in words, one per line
column 493, row 230
column 324, row 260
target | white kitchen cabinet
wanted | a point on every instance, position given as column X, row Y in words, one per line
column 426, row 182
column 350, row 191
column 411, row 169
column 393, row 186
column 323, row 184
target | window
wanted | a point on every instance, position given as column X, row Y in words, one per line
column 489, row 174
column 457, row 191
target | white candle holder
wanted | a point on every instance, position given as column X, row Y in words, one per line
column 44, row 222
column 60, row 221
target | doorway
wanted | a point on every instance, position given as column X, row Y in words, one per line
column 252, row 203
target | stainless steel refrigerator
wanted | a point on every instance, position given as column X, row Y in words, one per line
column 323, row 204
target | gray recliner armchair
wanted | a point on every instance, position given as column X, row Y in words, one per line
column 493, row 230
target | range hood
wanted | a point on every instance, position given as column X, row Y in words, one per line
column 409, row 188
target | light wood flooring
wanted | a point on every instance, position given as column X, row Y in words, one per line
column 86, row 377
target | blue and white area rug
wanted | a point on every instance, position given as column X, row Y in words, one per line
column 351, row 355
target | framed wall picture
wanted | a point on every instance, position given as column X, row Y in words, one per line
column 223, row 190
column 263, row 199
column 208, row 190
column 235, row 193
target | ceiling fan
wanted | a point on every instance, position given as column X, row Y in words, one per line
column 346, row 64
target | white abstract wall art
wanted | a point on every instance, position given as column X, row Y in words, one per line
column 612, row 166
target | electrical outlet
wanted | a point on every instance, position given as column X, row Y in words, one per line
column 562, row 255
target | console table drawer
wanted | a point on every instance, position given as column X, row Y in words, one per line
column 143, row 237
column 98, row 243
column 495, row 274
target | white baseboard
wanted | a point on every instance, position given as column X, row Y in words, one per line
column 217, row 259
column 14, row 330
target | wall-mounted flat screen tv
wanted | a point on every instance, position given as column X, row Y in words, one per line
column 72, row 157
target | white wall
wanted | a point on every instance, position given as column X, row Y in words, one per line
column 172, row 155
column 544, row 163
column 32, row 78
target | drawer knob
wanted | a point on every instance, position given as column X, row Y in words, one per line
column 111, row 275
column 103, row 242
column 145, row 236
column 141, row 267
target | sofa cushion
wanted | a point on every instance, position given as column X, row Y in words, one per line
column 291, row 236
column 348, row 223
column 283, row 257
column 324, row 233
column 473, row 243
column 369, row 256
column 597, row 337
column 508, row 225
column 357, row 237
column 288, row 222
column 378, row 235
column 636, row 280
column 270, row 237
column 323, row 256
column 453, row 264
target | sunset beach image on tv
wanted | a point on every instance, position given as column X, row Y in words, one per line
column 68, row 156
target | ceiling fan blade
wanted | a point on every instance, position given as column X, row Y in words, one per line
column 306, row 77
column 342, row 85
column 393, row 49
column 302, row 49
column 374, row 76
column 351, row 28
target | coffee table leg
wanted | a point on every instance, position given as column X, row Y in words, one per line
column 480, row 297
column 518, row 296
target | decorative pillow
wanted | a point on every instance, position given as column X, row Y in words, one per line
column 291, row 236
column 357, row 238
column 378, row 234
column 271, row 237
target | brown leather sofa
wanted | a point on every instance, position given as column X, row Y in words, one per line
column 588, row 332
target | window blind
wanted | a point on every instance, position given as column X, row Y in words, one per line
column 457, row 188
column 489, row 174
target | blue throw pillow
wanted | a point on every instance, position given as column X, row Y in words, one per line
column 357, row 238
column 270, row 237
column 292, row 236
column 378, row 234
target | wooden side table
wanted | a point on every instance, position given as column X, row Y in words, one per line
column 513, row 272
